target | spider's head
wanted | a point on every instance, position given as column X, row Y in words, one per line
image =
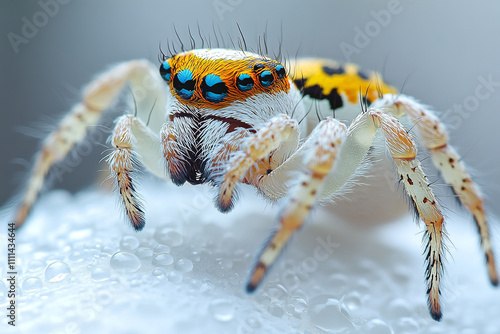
column 217, row 91
column 216, row 78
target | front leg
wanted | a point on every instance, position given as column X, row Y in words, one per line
column 277, row 131
column 322, row 147
column 133, row 141
column 96, row 99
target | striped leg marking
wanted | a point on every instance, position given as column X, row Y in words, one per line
column 123, row 164
column 171, row 149
column 324, row 142
column 433, row 135
column 258, row 146
column 454, row 174
column 56, row 146
column 403, row 152
column 96, row 98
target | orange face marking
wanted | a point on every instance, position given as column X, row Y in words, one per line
column 263, row 74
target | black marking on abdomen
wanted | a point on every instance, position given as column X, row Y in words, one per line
column 333, row 70
column 316, row 92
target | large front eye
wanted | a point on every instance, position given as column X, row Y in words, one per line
column 184, row 84
column 266, row 78
column 244, row 82
column 213, row 88
column 165, row 70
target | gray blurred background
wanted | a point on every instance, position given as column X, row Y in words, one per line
column 438, row 51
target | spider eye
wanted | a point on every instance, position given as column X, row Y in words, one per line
column 165, row 70
column 213, row 88
column 244, row 82
column 184, row 84
column 257, row 67
column 280, row 70
column 266, row 78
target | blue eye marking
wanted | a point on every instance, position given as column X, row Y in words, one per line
column 165, row 71
column 213, row 88
column 266, row 78
column 184, row 84
column 280, row 70
column 244, row 82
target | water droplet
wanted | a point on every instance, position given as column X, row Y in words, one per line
column 57, row 272
column 76, row 256
column 163, row 259
column 129, row 243
column 222, row 309
column 262, row 299
column 338, row 284
column 277, row 293
column 162, row 249
column 125, row 262
column 377, row 326
column 184, row 265
column 254, row 321
column 296, row 306
column 32, row 284
column 276, row 310
column 406, row 324
column 398, row 308
column 144, row 252
column 108, row 250
column 168, row 236
column 159, row 273
column 175, row 276
column 99, row 274
column 328, row 315
column 195, row 256
column 36, row 265
column 352, row 300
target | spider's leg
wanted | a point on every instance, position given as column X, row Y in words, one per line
column 403, row 151
column 279, row 130
column 359, row 139
column 433, row 135
column 322, row 145
column 96, row 98
column 133, row 142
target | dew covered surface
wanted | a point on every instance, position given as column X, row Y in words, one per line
column 83, row 269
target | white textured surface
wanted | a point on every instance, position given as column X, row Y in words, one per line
column 84, row 270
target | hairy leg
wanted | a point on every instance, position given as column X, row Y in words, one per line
column 96, row 98
column 323, row 145
column 133, row 142
column 434, row 137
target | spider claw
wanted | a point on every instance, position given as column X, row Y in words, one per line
column 256, row 277
column 436, row 314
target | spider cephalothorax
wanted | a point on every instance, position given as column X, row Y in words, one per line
column 214, row 94
column 228, row 117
